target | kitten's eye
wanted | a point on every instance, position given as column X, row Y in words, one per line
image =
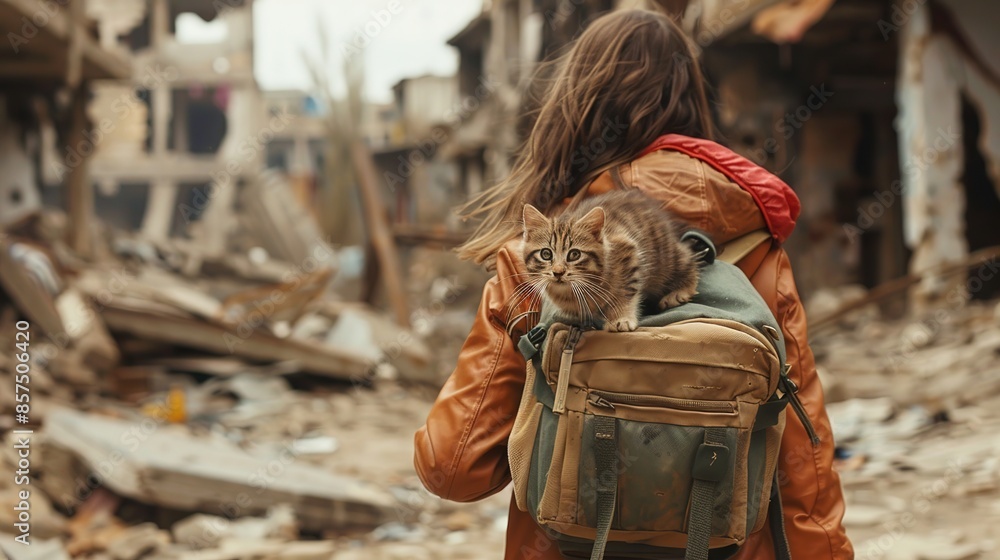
column 546, row 254
column 573, row 255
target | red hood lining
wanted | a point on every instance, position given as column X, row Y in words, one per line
column 776, row 200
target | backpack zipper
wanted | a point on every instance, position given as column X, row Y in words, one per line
column 607, row 399
column 565, row 362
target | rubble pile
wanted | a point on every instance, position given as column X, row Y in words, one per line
column 259, row 470
column 189, row 403
column 915, row 408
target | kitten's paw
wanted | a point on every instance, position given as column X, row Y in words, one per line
column 622, row 324
column 676, row 298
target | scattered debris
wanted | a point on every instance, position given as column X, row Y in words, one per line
column 915, row 409
column 202, row 531
column 138, row 541
column 50, row 549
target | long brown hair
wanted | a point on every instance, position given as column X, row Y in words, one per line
column 632, row 76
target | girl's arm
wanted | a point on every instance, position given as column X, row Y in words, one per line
column 461, row 451
column 811, row 494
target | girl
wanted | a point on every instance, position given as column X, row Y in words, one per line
column 626, row 110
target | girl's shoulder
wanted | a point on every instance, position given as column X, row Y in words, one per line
column 689, row 188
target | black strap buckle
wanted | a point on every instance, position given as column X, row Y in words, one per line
column 704, row 249
column 531, row 343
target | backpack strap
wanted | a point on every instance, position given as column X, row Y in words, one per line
column 710, row 465
column 606, row 460
column 742, row 246
column 776, row 522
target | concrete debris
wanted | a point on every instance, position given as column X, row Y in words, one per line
column 202, row 531
column 51, row 549
column 826, row 301
column 934, row 547
column 271, row 309
column 315, row 445
column 138, row 541
column 261, row 550
column 171, row 468
column 46, row 523
column 915, row 415
column 396, row 531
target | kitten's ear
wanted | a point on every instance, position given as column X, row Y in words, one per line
column 533, row 219
column 593, row 221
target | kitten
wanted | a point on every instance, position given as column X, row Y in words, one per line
column 605, row 256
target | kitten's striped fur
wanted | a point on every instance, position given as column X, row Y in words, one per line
column 600, row 259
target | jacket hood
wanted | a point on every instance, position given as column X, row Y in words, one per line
column 709, row 186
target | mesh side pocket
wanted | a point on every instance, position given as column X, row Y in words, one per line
column 521, row 442
column 519, row 448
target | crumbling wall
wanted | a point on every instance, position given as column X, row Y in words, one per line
column 936, row 68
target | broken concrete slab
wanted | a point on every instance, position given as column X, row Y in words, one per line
column 166, row 466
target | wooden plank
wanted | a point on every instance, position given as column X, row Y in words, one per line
column 74, row 57
column 94, row 61
column 27, row 68
column 245, row 341
column 100, row 64
column 79, row 192
column 57, row 25
column 220, row 366
column 379, row 232
column 437, row 238
column 186, row 168
column 167, row 466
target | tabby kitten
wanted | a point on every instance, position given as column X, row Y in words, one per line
column 601, row 259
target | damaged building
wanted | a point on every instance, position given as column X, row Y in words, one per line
column 198, row 132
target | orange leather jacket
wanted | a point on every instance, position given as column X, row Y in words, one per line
column 461, row 452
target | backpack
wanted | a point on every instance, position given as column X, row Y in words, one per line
column 662, row 442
